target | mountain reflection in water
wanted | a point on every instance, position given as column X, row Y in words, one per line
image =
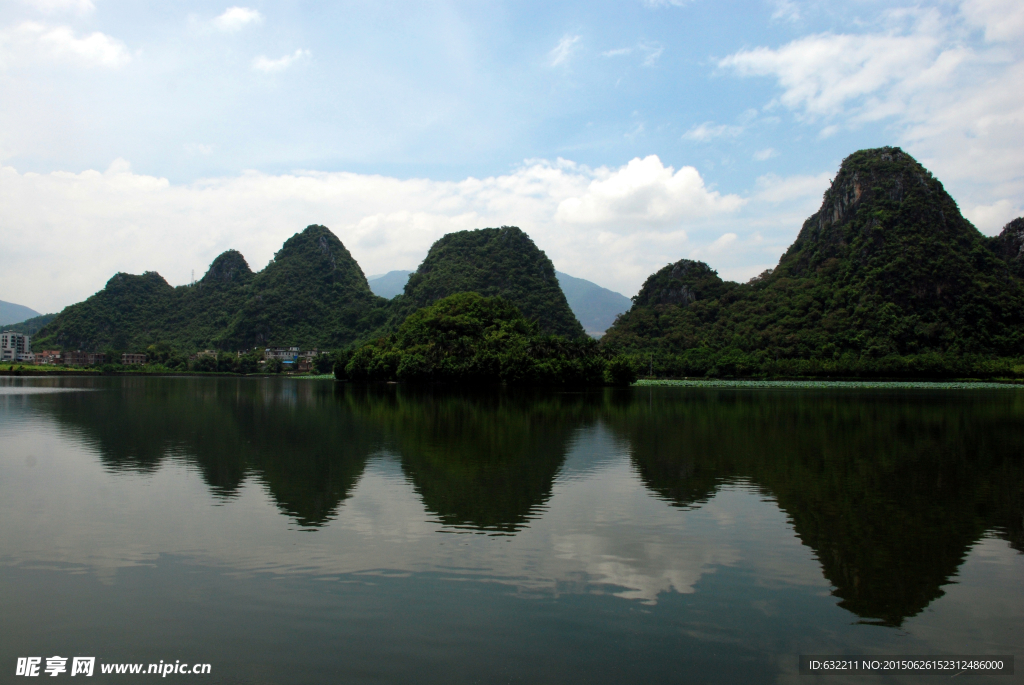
column 889, row 489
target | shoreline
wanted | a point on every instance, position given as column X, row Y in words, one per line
column 725, row 383
column 38, row 373
column 839, row 383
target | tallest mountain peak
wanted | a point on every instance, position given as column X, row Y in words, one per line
column 881, row 204
column 318, row 249
column 887, row 265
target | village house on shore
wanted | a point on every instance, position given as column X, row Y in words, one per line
column 16, row 348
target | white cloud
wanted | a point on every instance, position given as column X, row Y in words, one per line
column 708, row 131
column 645, row 192
column 666, row 3
column 722, row 247
column 270, row 66
column 766, row 154
column 775, row 189
column 650, row 51
column 956, row 106
column 785, row 10
column 722, row 244
column 617, row 52
column 31, row 41
column 634, row 132
column 561, row 52
column 235, row 19
column 614, row 226
column 54, row 6
column 990, row 219
column 1002, row 19
column 820, row 74
column 198, row 149
column 828, row 132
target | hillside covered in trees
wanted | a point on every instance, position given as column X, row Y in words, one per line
column 494, row 262
column 594, row 307
column 313, row 294
column 887, row 277
column 469, row 338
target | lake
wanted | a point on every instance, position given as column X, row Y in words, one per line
column 307, row 531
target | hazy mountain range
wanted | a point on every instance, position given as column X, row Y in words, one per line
column 15, row 313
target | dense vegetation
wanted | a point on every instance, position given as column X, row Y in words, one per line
column 312, row 294
column 469, row 338
column 30, row 326
column 495, row 262
column 595, row 307
column 887, row 278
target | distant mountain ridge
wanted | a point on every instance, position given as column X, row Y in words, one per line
column 30, row 326
column 389, row 285
column 594, row 306
column 15, row 313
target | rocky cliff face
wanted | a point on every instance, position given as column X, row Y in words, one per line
column 1009, row 245
column 680, row 284
column 881, row 208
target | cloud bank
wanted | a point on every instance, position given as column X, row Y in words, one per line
column 67, row 233
column 955, row 105
column 33, row 41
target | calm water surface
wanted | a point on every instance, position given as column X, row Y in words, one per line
column 290, row 531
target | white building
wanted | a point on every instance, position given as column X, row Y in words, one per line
column 285, row 354
column 15, row 347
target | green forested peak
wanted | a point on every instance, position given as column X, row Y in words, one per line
column 681, row 283
column 317, row 248
column 460, row 316
column 228, row 267
column 503, row 262
column 505, row 237
column 879, row 198
column 149, row 281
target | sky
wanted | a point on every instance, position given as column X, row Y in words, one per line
column 621, row 136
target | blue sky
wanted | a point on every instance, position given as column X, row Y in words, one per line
column 620, row 135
